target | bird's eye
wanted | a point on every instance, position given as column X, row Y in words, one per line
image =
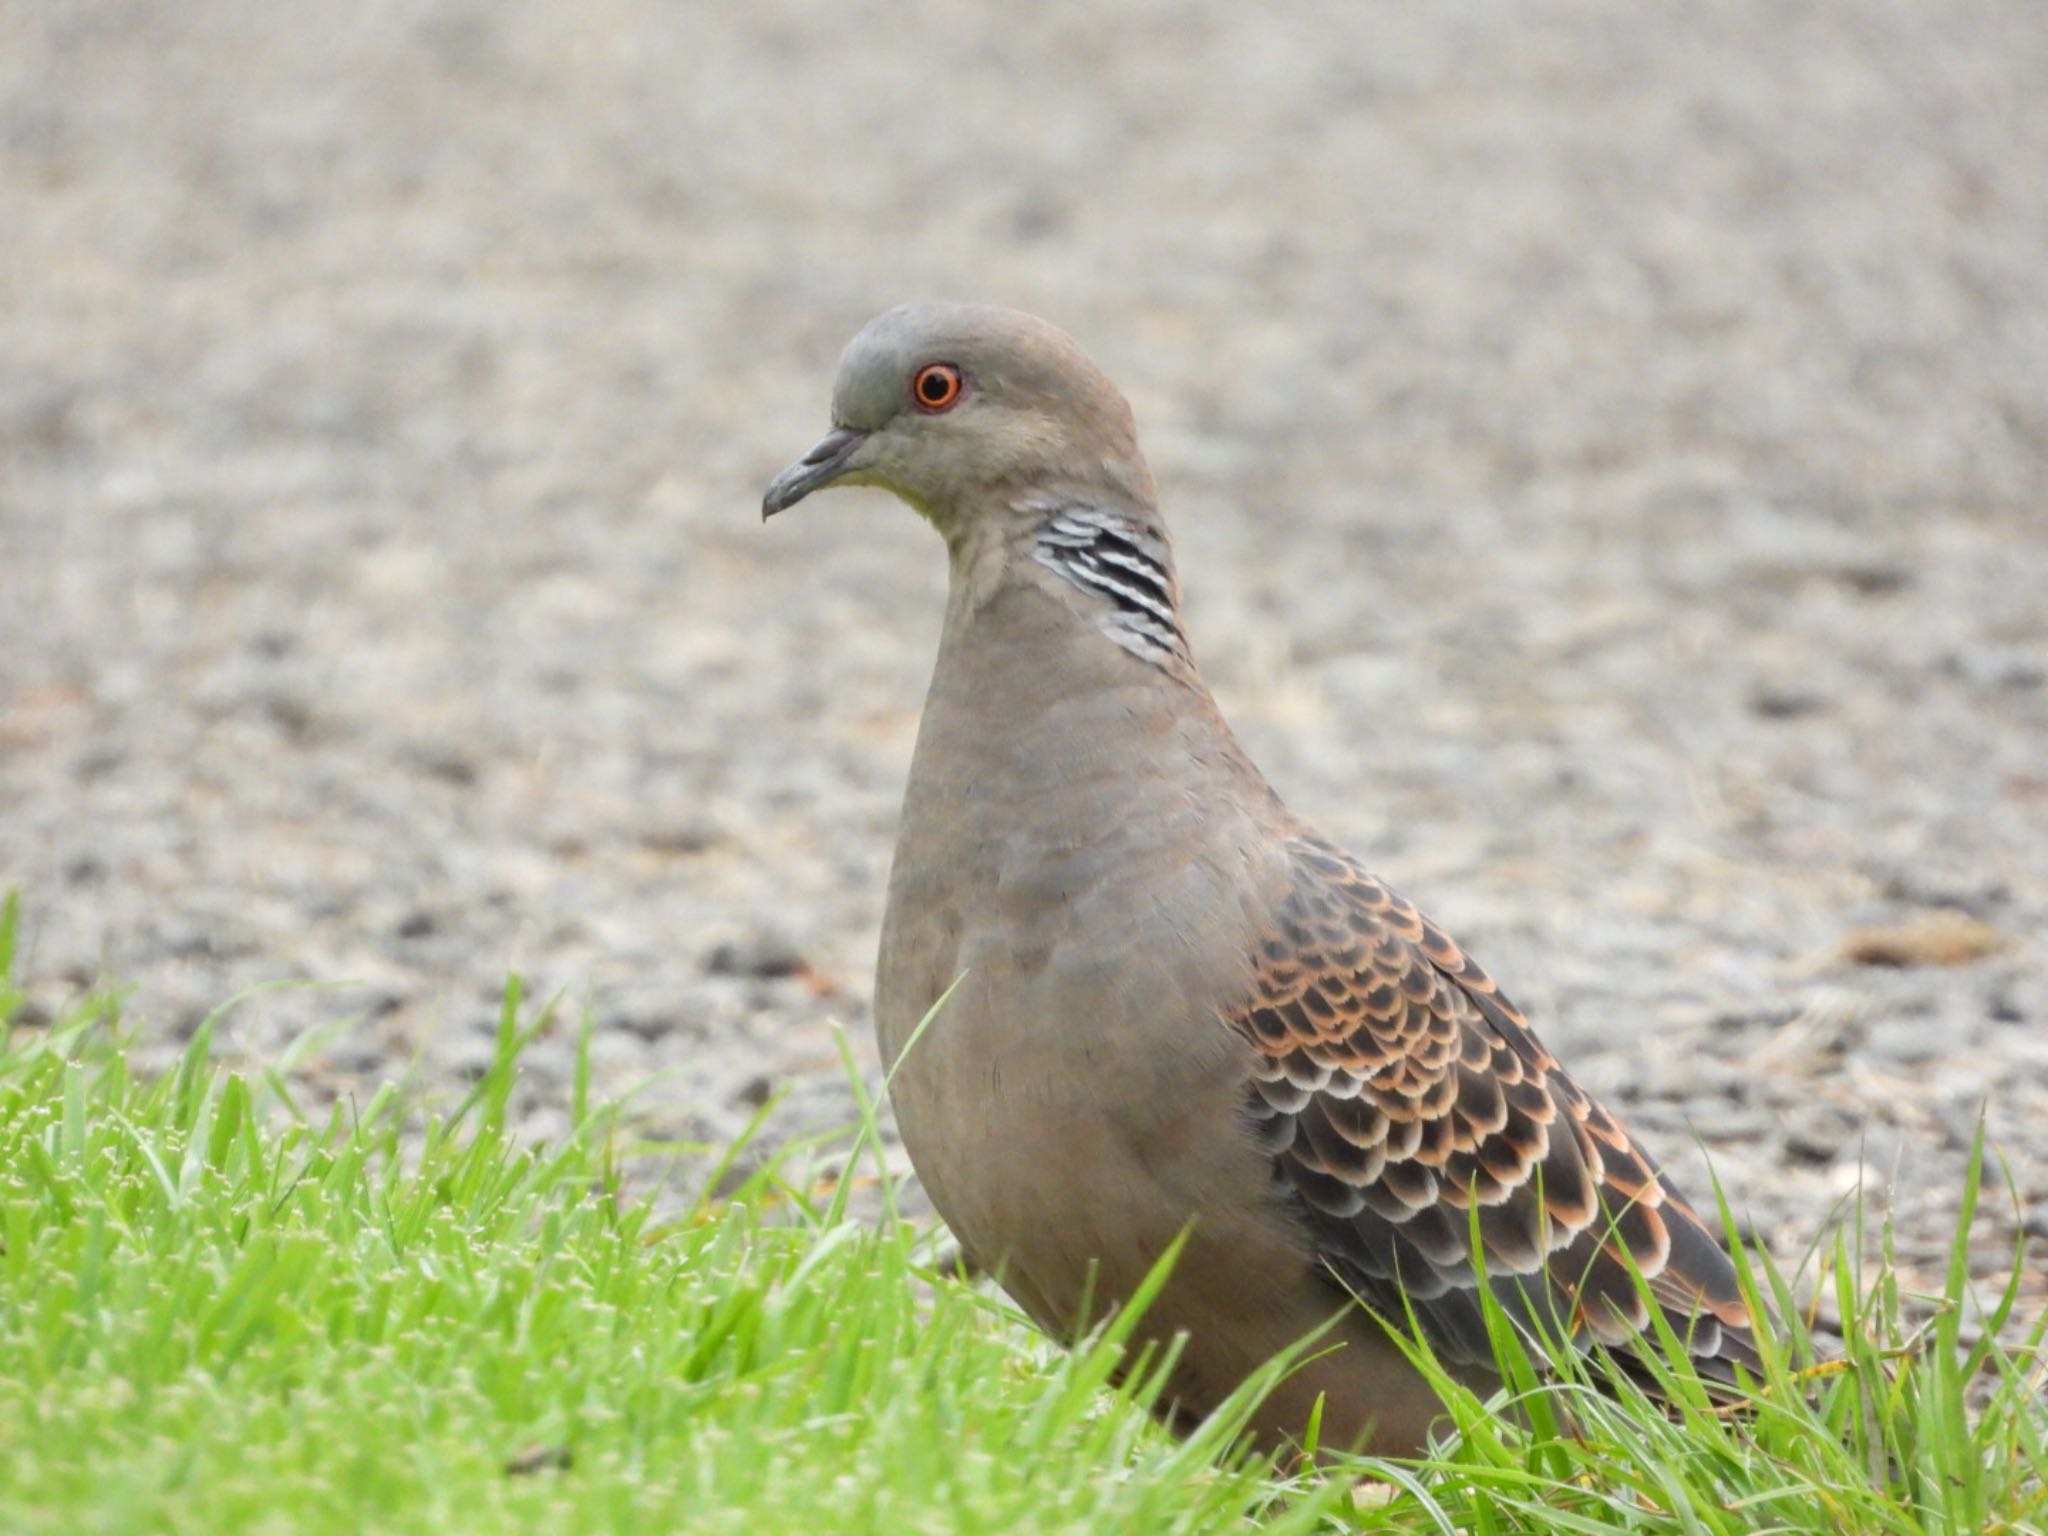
column 936, row 387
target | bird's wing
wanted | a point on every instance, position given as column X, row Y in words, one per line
column 1396, row 1087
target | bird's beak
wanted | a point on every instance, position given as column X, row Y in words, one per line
column 819, row 468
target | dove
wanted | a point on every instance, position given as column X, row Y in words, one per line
column 1173, row 1012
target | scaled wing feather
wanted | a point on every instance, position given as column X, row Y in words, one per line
column 1396, row 1088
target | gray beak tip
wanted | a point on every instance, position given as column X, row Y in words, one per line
column 814, row 471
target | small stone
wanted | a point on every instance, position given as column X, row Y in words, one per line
column 1694, row 1078
column 1916, row 885
column 293, row 716
column 360, row 1059
column 647, row 1026
column 1875, row 578
column 766, row 955
column 1037, row 216
column 417, row 924
column 97, row 762
column 1786, row 702
column 1723, row 1123
column 1934, row 938
column 1819, row 1134
column 695, row 834
column 1994, row 666
column 447, row 766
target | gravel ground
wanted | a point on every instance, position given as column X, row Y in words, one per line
column 1609, row 449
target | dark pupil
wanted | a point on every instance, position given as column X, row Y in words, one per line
column 936, row 386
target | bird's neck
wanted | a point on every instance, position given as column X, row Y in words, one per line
column 1105, row 560
column 1064, row 700
column 1062, row 647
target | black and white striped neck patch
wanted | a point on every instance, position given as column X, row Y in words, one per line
column 1125, row 562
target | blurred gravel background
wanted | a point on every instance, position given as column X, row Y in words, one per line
column 1609, row 448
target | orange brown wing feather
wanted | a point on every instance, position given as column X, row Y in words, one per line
column 1396, row 1087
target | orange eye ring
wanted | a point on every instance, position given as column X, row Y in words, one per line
column 936, row 387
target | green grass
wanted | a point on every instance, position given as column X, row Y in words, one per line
column 218, row 1314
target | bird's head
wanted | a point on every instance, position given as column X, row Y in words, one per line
column 968, row 412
